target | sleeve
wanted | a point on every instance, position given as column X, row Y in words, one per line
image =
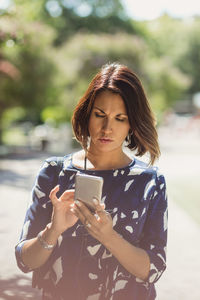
column 39, row 212
column 154, row 239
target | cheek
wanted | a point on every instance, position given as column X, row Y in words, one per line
column 124, row 131
column 125, row 135
column 92, row 126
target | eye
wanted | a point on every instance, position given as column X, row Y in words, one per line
column 120, row 120
column 98, row 115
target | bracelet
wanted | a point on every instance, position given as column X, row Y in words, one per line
column 44, row 244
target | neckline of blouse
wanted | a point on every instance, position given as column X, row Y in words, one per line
column 99, row 171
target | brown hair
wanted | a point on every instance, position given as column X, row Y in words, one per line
column 120, row 79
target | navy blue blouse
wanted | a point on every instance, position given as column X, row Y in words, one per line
column 80, row 266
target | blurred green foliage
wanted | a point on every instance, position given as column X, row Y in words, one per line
column 50, row 50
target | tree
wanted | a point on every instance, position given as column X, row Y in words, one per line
column 82, row 56
column 71, row 17
column 168, row 43
column 189, row 60
column 8, row 73
column 26, row 50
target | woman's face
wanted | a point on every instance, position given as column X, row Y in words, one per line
column 108, row 123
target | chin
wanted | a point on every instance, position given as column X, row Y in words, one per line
column 109, row 148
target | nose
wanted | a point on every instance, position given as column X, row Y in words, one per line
column 107, row 126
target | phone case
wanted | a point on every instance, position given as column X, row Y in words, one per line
column 88, row 187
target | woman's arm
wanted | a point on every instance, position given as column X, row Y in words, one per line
column 133, row 259
column 33, row 252
column 148, row 261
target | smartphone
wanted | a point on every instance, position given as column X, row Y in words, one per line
column 88, row 187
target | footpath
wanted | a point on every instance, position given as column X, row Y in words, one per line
column 180, row 162
column 182, row 277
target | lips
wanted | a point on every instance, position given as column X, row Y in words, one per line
column 105, row 140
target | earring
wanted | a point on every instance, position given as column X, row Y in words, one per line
column 130, row 132
column 128, row 138
column 88, row 141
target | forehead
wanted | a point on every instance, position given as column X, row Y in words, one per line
column 108, row 101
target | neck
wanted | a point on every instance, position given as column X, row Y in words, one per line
column 106, row 160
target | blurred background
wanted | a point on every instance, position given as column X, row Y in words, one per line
column 49, row 52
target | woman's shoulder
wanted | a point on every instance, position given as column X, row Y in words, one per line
column 57, row 160
column 52, row 163
column 142, row 167
column 54, row 160
column 149, row 175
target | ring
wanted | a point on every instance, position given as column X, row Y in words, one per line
column 87, row 224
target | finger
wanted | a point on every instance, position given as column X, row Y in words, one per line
column 54, row 190
column 73, row 210
column 70, row 191
column 77, row 211
column 84, row 212
column 82, row 208
column 87, row 225
column 103, row 206
column 101, row 213
column 67, row 195
column 53, row 193
column 99, row 207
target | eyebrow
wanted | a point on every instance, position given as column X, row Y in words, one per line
column 120, row 114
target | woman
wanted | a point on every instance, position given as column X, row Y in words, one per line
column 120, row 251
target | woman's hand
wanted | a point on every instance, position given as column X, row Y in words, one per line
column 62, row 216
column 99, row 225
column 135, row 260
column 33, row 254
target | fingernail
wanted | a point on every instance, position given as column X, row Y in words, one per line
column 78, row 202
column 95, row 201
column 72, row 210
column 72, row 205
column 103, row 205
